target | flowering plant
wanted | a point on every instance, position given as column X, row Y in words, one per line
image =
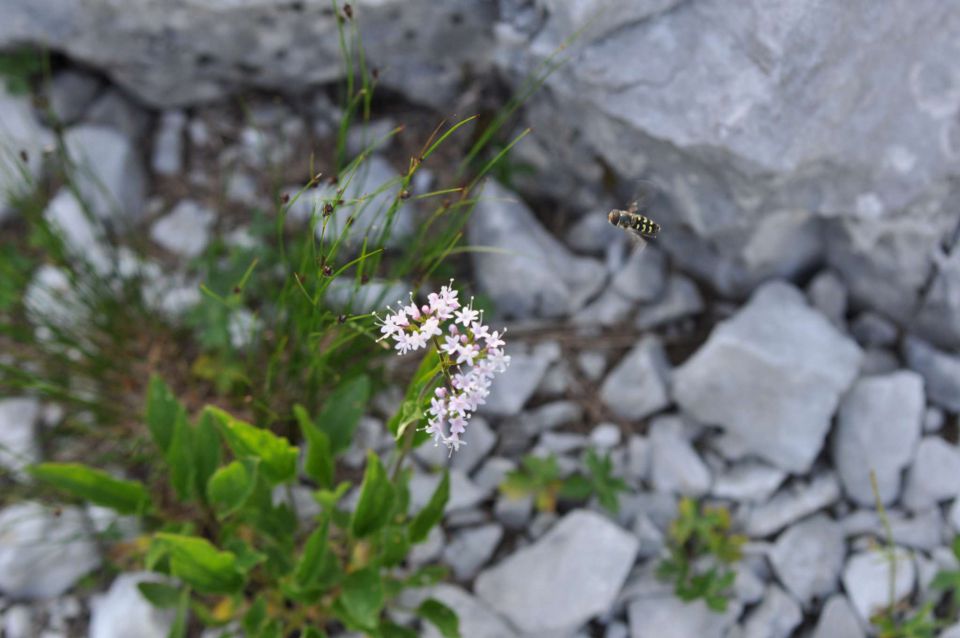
column 469, row 357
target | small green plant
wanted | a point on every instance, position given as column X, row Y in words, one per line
column 948, row 582
column 239, row 554
column 702, row 550
column 540, row 477
column 19, row 67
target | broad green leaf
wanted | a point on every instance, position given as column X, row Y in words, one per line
column 278, row 459
column 441, row 617
column 342, row 411
column 394, row 545
column 162, row 412
column 255, row 617
column 313, row 632
column 575, row 487
column 319, row 459
column 231, row 486
column 393, row 630
column 431, row 514
column 361, row 594
column 317, row 566
column 273, row 629
column 376, row 499
column 201, row 565
column 160, row 594
column 96, row 486
column 180, row 458
column 247, row 556
column 206, row 452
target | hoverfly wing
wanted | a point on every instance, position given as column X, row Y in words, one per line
column 638, row 241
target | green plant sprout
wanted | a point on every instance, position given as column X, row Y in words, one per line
column 702, row 550
column 541, row 478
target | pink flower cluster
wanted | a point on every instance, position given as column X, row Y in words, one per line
column 473, row 355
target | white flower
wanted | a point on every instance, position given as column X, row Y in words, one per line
column 467, row 316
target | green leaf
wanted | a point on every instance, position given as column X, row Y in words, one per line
column 313, row 632
column 394, row 545
column 180, row 458
column 231, row 486
column 431, row 514
column 361, row 594
column 342, row 411
column 416, row 399
column 278, row 459
column 96, row 486
column 376, row 499
column 317, row 566
column 441, row 617
column 255, row 617
column 575, row 487
column 393, row 630
column 426, row 576
column 179, row 627
column 162, row 412
column 319, row 460
column 206, row 452
column 201, row 565
column 160, row 594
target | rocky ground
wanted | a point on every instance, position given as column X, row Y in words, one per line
column 778, row 406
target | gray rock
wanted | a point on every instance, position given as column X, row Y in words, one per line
column 167, row 158
column 513, row 513
column 18, row 435
column 471, row 548
column 953, row 631
column 923, row 531
column 115, row 110
column 42, row 554
column 81, row 236
column 934, row 475
column 838, row 620
column 866, row 579
column 480, row 440
column 637, row 386
column 560, row 443
column 568, row 576
column 180, row 55
column 430, row 549
column 666, row 616
column 123, row 611
column 680, row 299
column 675, row 466
column 492, row 472
column 370, row 136
column 873, row 329
column 879, row 361
column 185, row 230
column 551, row 416
column 652, row 540
column 463, row 493
column 776, row 616
column 748, row 586
column 780, row 349
column 940, row 372
column 592, row 233
column 878, row 426
column 557, row 381
column 828, row 294
column 108, row 172
column 616, row 629
column 939, row 312
column 748, row 481
column 19, row 131
column 477, row 620
column 609, row 309
column 511, row 390
column 933, row 419
column 70, row 93
column 808, row 557
column 592, row 364
column 18, row 622
column 638, row 458
column 605, row 436
column 553, row 282
column 643, row 276
column 791, row 504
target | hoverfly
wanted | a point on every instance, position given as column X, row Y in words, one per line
column 638, row 226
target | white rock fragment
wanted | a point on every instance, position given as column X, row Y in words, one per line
column 185, row 230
